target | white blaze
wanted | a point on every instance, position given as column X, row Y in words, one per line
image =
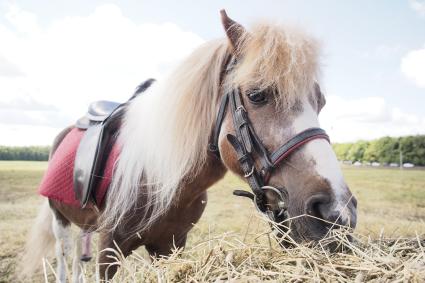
column 321, row 152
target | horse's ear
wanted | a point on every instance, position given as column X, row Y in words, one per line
column 234, row 30
column 320, row 98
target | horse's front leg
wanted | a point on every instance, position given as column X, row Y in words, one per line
column 111, row 249
column 82, row 254
column 86, row 253
column 165, row 248
column 171, row 233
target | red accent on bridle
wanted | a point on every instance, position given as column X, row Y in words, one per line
column 298, row 145
column 292, row 149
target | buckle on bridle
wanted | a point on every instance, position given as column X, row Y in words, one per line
column 212, row 147
column 241, row 107
column 249, row 174
column 281, row 204
column 282, row 201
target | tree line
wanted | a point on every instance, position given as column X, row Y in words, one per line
column 37, row 153
column 385, row 150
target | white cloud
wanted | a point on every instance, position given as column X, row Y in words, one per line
column 413, row 66
column 418, row 6
column 8, row 69
column 76, row 60
column 26, row 103
column 48, row 75
column 24, row 135
column 367, row 118
column 23, row 21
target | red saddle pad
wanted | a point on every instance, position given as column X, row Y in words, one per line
column 58, row 181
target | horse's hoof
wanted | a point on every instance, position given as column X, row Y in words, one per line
column 85, row 258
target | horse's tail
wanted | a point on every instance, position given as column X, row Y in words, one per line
column 39, row 244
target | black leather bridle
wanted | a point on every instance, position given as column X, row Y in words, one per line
column 246, row 141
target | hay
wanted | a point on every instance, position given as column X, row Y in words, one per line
column 227, row 257
column 258, row 257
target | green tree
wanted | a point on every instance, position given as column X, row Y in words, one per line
column 384, row 150
column 39, row 153
column 387, row 149
column 341, row 150
column 413, row 148
column 357, row 151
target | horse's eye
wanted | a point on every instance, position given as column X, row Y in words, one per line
column 257, row 97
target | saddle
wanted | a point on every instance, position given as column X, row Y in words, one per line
column 101, row 124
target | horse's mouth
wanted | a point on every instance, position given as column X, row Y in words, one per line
column 292, row 233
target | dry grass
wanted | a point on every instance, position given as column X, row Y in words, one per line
column 257, row 257
column 231, row 243
column 228, row 258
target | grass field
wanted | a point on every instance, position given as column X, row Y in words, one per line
column 391, row 203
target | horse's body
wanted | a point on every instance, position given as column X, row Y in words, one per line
column 164, row 168
column 169, row 232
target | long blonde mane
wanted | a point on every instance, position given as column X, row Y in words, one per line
column 166, row 130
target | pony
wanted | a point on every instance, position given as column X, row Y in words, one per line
column 164, row 167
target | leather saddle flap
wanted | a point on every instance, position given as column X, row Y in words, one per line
column 93, row 148
column 86, row 163
column 100, row 123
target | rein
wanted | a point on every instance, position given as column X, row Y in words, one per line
column 246, row 141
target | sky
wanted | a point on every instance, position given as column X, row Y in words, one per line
column 58, row 56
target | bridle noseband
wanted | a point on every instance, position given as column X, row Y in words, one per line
column 246, row 141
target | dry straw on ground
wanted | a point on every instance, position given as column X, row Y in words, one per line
column 235, row 258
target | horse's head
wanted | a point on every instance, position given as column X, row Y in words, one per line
column 273, row 78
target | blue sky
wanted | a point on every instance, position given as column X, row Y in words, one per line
column 373, row 62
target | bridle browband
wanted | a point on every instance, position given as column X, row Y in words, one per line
column 246, row 141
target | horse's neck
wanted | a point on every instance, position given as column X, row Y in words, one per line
column 213, row 171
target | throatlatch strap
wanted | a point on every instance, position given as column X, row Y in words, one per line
column 213, row 146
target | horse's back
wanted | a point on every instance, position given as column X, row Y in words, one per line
column 58, row 139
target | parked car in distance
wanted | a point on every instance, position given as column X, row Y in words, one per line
column 408, row 165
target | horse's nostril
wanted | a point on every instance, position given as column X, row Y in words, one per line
column 323, row 207
column 354, row 200
column 328, row 214
column 316, row 204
